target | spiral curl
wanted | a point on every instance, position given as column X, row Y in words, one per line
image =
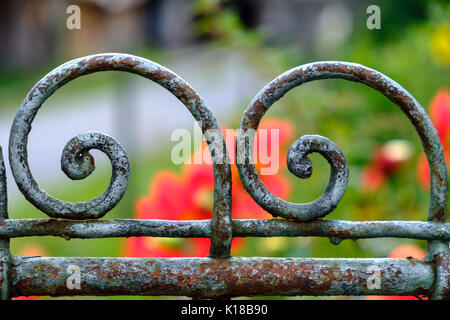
column 76, row 161
column 301, row 166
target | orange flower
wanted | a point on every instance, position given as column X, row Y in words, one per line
column 406, row 251
column 189, row 196
column 31, row 250
column 440, row 116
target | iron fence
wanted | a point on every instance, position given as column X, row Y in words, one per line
column 219, row 275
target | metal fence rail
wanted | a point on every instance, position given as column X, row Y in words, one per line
column 219, row 275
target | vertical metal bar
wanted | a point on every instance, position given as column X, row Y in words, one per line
column 221, row 223
column 5, row 258
column 438, row 253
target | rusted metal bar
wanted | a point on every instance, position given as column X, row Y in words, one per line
column 67, row 229
column 342, row 229
column 439, row 254
column 105, row 228
column 4, row 241
column 207, row 278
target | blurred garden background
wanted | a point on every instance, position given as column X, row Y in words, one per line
column 228, row 50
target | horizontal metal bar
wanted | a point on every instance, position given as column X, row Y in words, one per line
column 104, row 228
column 343, row 229
column 207, row 278
column 13, row 228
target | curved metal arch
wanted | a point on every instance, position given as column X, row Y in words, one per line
column 77, row 163
column 276, row 89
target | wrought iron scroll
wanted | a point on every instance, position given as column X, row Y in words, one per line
column 219, row 274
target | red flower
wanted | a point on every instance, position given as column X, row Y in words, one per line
column 386, row 160
column 403, row 251
column 440, row 116
column 440, row 113
column 189, row 196
column 372, row 178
